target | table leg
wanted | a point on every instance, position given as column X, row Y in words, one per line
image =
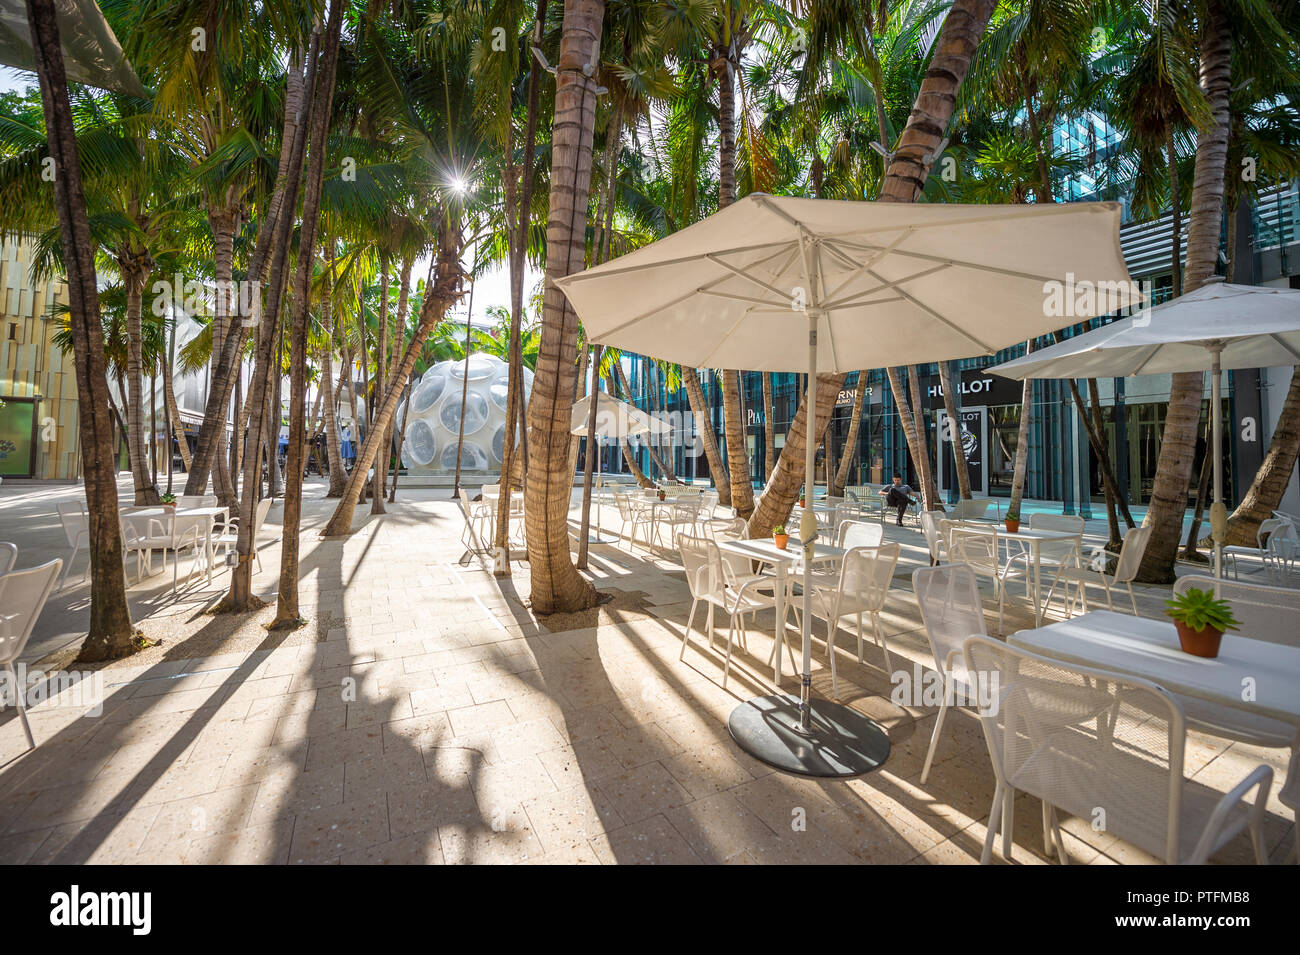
column 1038, row 586
column 779, row 608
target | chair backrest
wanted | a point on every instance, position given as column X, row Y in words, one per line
column 1267, row 528
column 196, row 500
column 708, row 501
column 846, row 511
column 859, row 534
column 488, row 489
column 1283, row 541
column 73, row 517
column 930, row 521
column 1102, row 746
column 867, row 573
column 977, row 547
column 1266, row 613
column 142, row 527
column 686, row 509
column 1130, row 553
column 702, row 562
column 624, row 504
column 22, row 597
column 259, row 516
column 951, row 610
column 1054, row 551
column 971, row 509
column 8, row 556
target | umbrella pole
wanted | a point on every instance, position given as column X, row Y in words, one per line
column 1218, row 510
column 808, row 526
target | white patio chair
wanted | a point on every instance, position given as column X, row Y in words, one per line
column 1275, row 548
column 935, row 540
column 712, row 581
column 859, row 534
column 684, row 514
column 862, row 588
column 951, row 611
column 76, row 531
column 8, row 556
column 629, row 514
column 22, row 598
column 166, row 533
column 475, row 514
column 971, row 509
column 1289, row 796
column 979, row 547
column 1103, row 746
column 1082, row 572
column 229, row 537
column 1052, row 555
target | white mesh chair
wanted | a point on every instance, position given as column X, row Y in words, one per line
column 229, row 538
column 862, row 587
column 475, row 515
column 935, row 540
column 951, row 611
column 76, row 531
column 859, row 534
column 1052, row 555
column 22, row 598
column 8, row 556
column 971, row 509
column 137, row 536
column 684, row 514
column 167, row 533
column 1275, row 547
column 1082, row 572
column 1289, row 796
column 980, row 548
column 630, row 515
column 1105, row 747
column 712, row 581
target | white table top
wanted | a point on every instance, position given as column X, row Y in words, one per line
column 1149, row 649
column 766, row 550
column 179, row 511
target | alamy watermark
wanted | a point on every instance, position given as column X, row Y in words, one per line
column 80, row 689
column 242, row 298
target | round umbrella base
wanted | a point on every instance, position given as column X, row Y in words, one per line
column 593, row 539
column 840, row 741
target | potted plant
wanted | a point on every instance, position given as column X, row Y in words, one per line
column 1201, row 620
column 780, row 537
column 661, row 494
column 168, row 500
column 1013, row 521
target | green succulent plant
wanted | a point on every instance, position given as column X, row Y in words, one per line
column 1198, row 609
column 779, row 529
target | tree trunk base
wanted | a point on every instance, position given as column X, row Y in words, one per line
column 228, row 604
column 287, row 623
column 102, row 652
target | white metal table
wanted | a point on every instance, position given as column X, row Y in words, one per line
column 1032, row 541
column 782, row 561
column 1254, row 676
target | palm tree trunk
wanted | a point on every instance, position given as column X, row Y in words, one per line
column 174, row 414
column 381, row 378
column 222, row 222
column 240, row 597
column 849, row 453
column 464, row 385
column 926, row 126
column 782, row 490
column 110, row 632
column 1270, row 483
column 952, row 408
column 928, row 487
column 708, row 437
column 1021, row 466
column 135, row 271
column 1176, row 207
column 1204, row 228
column 556, row 584
column 1202, row 489
column 769, row 426
column 221, row 383
column 440, row 295
column 908, row 422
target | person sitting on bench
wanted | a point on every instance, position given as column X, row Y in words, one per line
column 898, row 495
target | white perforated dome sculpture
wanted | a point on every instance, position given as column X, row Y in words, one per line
column 433, row 422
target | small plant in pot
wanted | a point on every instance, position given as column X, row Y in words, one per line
column 168, row 500
column 780, row 537
column 1013, row 522
column 1201, row 620
column 661, row 494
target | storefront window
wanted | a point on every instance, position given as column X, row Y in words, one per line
column 17, row 418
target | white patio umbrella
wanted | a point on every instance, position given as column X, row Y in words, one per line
column 1218, row 326
column 615, row 420
column 784, row 284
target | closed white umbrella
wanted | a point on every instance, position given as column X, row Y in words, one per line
column 1218, row 326
column 783, row 284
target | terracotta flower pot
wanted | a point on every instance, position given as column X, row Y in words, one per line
column 1199, row 643
column 1013, row 525
column 781, row 540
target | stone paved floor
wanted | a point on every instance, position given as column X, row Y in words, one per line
column 424, row 715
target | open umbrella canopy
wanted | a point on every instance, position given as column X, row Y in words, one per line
column 893, row 284
column 1258, row 327
column 91, row 52
column 614, row 419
